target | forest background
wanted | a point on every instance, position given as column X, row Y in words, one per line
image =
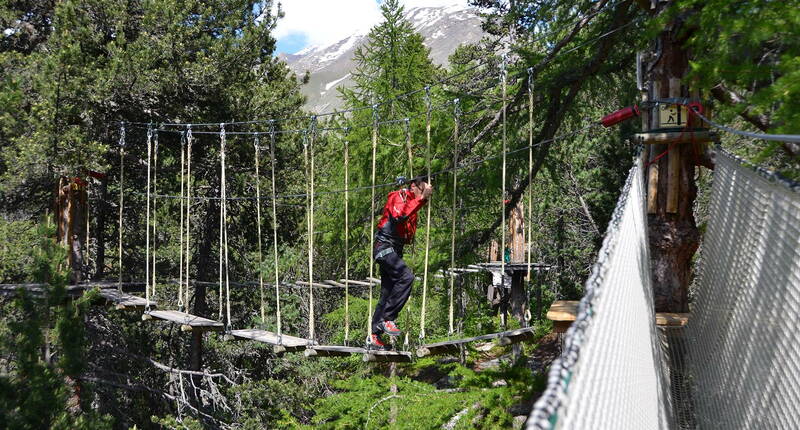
column 73, row 70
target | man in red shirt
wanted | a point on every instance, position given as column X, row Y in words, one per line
column 396, row 229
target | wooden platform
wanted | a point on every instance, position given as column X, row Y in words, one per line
column 452, row 346
column 386, row 357
column 366, row 355
column 125, row 301
column 188, row 322
column 564, row 312
column 332, row 351
column 282, row 343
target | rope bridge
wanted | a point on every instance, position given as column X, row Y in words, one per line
column 735, row 365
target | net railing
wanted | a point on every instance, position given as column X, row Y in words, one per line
column 737, row 363
column 611, row 373
column 742, row 339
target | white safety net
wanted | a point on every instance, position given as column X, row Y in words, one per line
column 743, row 341
column 611, row 374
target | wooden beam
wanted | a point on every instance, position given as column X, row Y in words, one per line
column 675, row 137
column 281, row 343
column 188, row 322
column 386, row 357
column 361, row 283
column 503, row 338
column 332, row 351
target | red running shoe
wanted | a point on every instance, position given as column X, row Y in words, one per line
column 374, row 343
column 390, row 328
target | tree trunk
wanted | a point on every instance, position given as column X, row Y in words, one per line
column 204, row 266
column 672, row 190
column 71, row 222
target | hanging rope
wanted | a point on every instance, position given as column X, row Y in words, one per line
column 155, row 218
column 346, row 240
column 503, row 195
column 311, row 230
column 456, row 112
column 530, row 169
column 371, row 217
column 275, row 232
column 427, row 212
column 258, row 228
column 147, row 221
column 407, row 316
column 408, row 148
column 121, row 201
column 224, row 187
column 183, row 204
column 189, row 139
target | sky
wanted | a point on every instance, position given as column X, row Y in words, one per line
column 322, row 22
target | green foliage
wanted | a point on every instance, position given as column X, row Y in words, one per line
column 40, row 391
column 15, row 259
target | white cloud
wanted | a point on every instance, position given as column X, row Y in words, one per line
column 323, row 22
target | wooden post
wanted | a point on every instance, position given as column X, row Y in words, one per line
column 671, row 187
column 70, row 213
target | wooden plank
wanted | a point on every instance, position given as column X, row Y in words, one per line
column 315, row 284
column 354, row 282
column 671, row 319
column 282, row 343
column 335, row 284
column 125, row 301
column 188, row 322
column 386, row 357
column 563, row 310
column 503, row 338
column 375, row 280
column 332, row 351
column 675, row 138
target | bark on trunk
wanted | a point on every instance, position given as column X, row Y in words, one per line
column 672, row 190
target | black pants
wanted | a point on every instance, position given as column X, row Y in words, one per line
column 396, row 280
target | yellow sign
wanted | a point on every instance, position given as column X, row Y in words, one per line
column 672, row 116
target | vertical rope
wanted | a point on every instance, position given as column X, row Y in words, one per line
column 427, row 211
column 258, row 225
column 346, row 239
column 147, row 221
column 311, row 230
column 503, row 195
column 88, row 215
column 225, row 227
column 183, row 204
column 371, row 218
column 121, row 201
column 189, row 139
column 407, row 317
column 408, row 148
column 530, row 169
column 456, row 112
column 275, row 230
column 155, row 218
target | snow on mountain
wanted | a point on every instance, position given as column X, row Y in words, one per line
column 444, row 29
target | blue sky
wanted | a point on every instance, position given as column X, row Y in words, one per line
column 322, row 22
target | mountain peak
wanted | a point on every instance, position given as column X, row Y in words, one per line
column 444, row 29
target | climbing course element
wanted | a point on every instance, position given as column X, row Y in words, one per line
column 371, row 217
column 743, row 356
column 427, row 212
column 258, row 229
column 275, row 229
column 121, row 202
column 611, row 369
column 456, row 113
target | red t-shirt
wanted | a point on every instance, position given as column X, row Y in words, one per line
column 402, row 206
